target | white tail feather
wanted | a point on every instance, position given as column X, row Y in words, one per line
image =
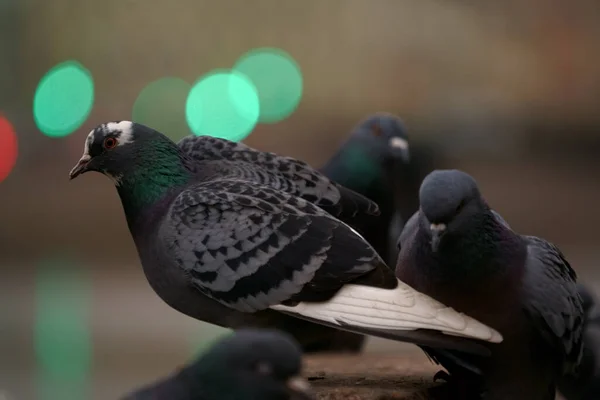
column 402, row 308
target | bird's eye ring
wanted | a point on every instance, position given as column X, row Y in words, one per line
column 110, row 143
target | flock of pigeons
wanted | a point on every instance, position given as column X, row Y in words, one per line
column 254, row 241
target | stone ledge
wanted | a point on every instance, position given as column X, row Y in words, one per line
column 370, row 376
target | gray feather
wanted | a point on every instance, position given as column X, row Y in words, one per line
column 552, row 302
column 229, row 236
column 288, row 174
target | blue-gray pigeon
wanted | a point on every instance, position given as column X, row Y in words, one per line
column 460, row 252
column 247, row 365
column 255, row 240
column 369, row 163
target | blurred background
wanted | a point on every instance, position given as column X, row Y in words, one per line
column 508, row 91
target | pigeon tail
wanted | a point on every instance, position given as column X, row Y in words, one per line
column 399, row 309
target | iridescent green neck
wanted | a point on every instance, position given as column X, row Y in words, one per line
column 353, row 168
column 150, row 179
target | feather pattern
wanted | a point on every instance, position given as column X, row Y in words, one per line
column 279, row 172
column 552, row 302
column 251, row 247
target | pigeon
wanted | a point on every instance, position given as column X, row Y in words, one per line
column 585, row 384
column 368, row 163
column 460, row 252
column 250, row 364
column 254, row 240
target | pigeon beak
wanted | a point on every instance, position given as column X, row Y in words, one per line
column 80, row 168
column 437, row 231
column 300, row 386
column 399, row 149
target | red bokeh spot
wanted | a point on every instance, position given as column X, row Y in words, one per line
column 8, row 148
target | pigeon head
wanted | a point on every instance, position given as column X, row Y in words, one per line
column 383, row 136
column 116, row 149
column 448, row 199
column 254, row 364
column 143, row 164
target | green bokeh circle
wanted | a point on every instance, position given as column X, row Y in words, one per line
column 161, row 106
column 63, row 99
column 223, row 103
column 278, row 80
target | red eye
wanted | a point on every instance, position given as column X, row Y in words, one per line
column 376, row 130
column 109, row 143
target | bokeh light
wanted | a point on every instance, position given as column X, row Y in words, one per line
column 223, row 103
column 8, row 148
column 63, row 99
column 161, row 106
column 278, row 80
column 62, row 338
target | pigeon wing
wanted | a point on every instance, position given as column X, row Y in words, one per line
column 283, row 173
column 553, row 303
column 251, row 247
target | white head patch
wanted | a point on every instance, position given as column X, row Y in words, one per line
column 398, row 143
column 122, row 129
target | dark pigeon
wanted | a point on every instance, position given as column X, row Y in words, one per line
column 247, row 365
column 457, row 250
column 253, row 240
column 368, row 163
column 585, row 383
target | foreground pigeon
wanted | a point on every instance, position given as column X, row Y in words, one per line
column 457, row 250
column 255, row 242
column 248, row 365
column 585, row 383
